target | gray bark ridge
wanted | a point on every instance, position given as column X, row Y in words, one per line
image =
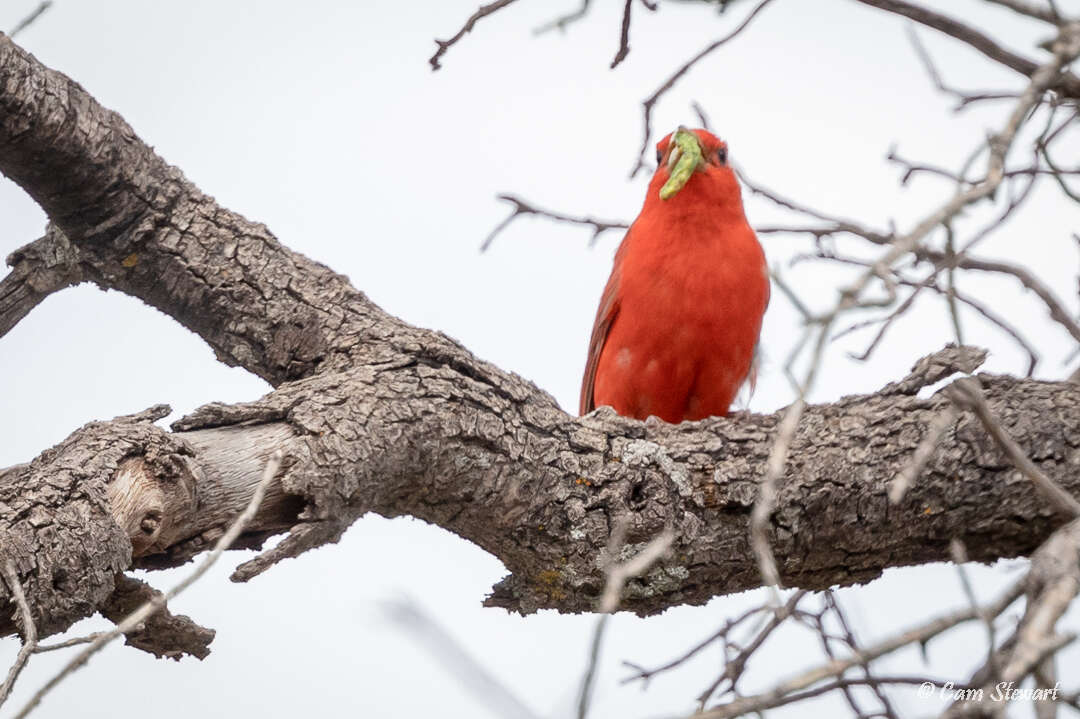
column 374, row 415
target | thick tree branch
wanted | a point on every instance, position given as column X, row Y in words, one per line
column 482, row 12
column 37, row 270
column 140, row 227
column 376, row 416
column 539, row 489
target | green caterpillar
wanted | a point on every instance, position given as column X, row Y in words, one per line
column 688, row 159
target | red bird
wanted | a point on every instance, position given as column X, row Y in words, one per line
column 678, row 324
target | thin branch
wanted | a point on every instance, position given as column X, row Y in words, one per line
column 834, row 668
column 1002, row 324
column 950, row 286
column 68, row 643
column 734, row 669
column 967, row 392
column 617, row 576
column 928, row 282
column 1066, row 48
column 647, row 104
column 913, row 168
column 31, row 18
column 38, row 269
column 963, row 98
column 1057, row 312
column 624, row 36
column 774, row 469
column 1030, row 10
column 1025, row 661
column 470, row 673
column 923, row 453
column 1059, row 175
column 960, row 558
column 1068, row 82
column 721, row 634
column 833, row 604
column 562, row 21
column 837, row 224
column 11, row 578
column 521, row 207
column 483, row 11
column 148, row 609
column 886, row 323
column 736, row 708
column 703, row 119
column 1001, row 220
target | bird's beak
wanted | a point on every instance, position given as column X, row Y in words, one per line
column 685, row 157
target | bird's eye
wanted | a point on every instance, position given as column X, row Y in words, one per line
column 721, row 156
column 659, row 155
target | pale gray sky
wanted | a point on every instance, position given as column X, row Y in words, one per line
column 324, row 121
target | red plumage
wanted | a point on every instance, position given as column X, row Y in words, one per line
column 678, row 324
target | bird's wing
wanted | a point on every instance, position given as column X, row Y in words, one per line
column 605, row 318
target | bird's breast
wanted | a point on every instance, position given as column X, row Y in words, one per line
column 692, row 294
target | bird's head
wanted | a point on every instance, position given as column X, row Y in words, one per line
column 695, row 159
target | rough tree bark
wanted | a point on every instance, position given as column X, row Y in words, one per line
column 377, row 416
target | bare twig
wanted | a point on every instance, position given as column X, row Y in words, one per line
column 967, row 392
column 1066, row 48
column 774, row 468
column 886, row 323
column 913, row 168
column 521, row 207
column 922, row 454
column 624, row 36
column 781, row 693
column 640, row 673
column 11, row 578
column 702, row 117
column 999, row 222
column 562, row 21
column 617, row 576
column 1057, row 311
column 647, row 104
column 67, row 643
column 766, row 499
column 737, row 708
column 31, row 18
column 734, row 668
column 781, row 283
column 470, row 673
column 482, row 11
column 928, row 282
column 1068, row 82
column 837, row 224
column 1035, row 654
column 960, row 558
column 950, row 286
column 833, row 604
column 1002, row 324
column 148, row 609
column 963, row 98
column 1059, row 175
